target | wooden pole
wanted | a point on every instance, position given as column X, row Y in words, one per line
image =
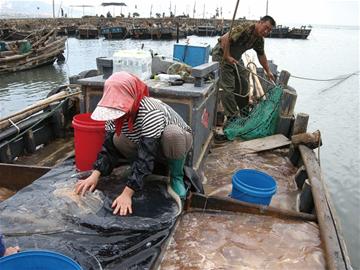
column 335, row 252
column 288, row 101
column 284, row 78
column 301, row 123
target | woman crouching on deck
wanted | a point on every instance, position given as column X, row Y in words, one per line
column 143, row 130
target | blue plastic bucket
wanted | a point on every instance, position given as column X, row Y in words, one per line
column 253, row 186
column 38, row 260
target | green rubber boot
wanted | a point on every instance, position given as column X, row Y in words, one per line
column 176, row 167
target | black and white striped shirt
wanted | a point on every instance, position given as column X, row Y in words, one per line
column 152, row 118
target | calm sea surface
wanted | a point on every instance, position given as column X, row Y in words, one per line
column 329, row 52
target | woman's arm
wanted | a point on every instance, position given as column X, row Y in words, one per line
column 142, row 166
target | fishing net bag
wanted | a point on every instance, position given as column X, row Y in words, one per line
column 259, row 121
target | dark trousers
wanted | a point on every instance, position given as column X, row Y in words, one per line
column 230, row 83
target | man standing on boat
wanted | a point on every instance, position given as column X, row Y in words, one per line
column 228, row 52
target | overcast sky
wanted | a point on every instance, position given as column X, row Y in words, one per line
column 334, row 12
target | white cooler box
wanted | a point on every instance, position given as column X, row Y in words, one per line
column 137, row 62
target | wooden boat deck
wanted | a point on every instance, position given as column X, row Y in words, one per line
column 51, row 154
column 205, row 240
column 224, row 161
column 227, row 240
column 28, row 168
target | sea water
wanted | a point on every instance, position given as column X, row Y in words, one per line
column 329, row 52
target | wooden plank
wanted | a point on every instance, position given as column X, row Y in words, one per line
column 258, row 145
column 334, row 248
column 204, row 202
column 15, row 177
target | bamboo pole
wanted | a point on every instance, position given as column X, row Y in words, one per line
column 38, row 106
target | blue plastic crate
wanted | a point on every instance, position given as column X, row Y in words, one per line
column 193, row 55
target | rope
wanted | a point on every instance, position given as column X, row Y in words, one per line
column 18, row 129
column 255, row 74
column 238, row 75
column 339, row 82
column 341, row 77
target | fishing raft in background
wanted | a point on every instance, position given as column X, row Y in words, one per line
column 32, row 52
column 298, row 230
column 285, row 32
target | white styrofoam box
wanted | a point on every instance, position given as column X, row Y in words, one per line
column 137, row 62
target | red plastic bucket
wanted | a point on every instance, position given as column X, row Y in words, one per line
column 89, row 137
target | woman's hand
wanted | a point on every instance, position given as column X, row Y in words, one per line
column 11, row 250
column 88, row 184
column 122, row 203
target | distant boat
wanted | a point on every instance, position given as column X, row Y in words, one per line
column 285, row 32
column 166, row 33
column 115, row 32
column 206, row 30
column 299, row 33
column 87, row 31
column 140, row 32
column 23, row 54
column 279, row 32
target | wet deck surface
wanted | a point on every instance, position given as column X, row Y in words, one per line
column 243, row 241
column 224, row 161
column 205, row 240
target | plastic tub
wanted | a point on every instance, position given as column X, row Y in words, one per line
column 89, row 137
column 253, row 186
column 38, row 260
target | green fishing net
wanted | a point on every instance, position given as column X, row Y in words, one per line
column 260, row 120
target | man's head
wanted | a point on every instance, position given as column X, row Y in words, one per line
column 264, row 26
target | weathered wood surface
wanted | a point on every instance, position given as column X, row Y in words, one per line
column 258, row 145
column 301, row 123
column 311, row 140
column 284, row 125
column 15, row 177
column 284, row 78
column 288, row 101
column 204, row 202
column 334, row 245
column 50, row 155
